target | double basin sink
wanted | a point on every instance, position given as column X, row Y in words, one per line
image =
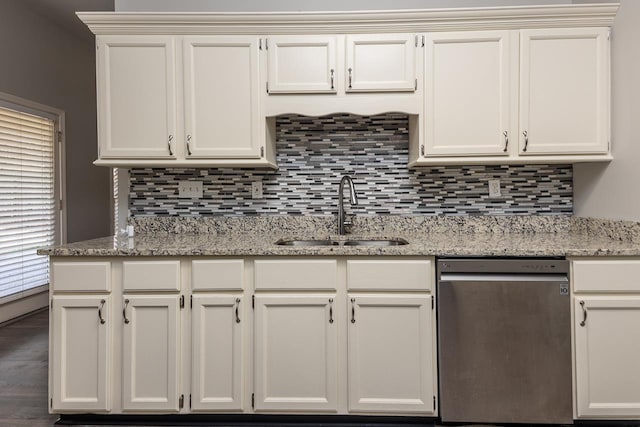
column 353, row 242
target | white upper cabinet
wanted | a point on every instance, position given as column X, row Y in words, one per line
column 301, row 64
column 564, row 91
column 136, row 96
column 221, row 97
column 381, row 62
column 467, row 76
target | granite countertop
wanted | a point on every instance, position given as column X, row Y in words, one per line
column 471, row 236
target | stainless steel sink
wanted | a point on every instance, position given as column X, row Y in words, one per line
column 381, row 242
column 354, row 242
column 307, row 243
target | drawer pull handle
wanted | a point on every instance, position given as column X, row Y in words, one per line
column 330, row 310
column 124, row 312
column 102, row 321
column 584, row 314
column 350, row 71
column 237, row 307
column 169, row 143
column 526, row 140
column 332, row 79
column 189, row 145
column 353, row 310
column 506, row 140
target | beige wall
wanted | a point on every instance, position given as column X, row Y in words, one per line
column 43, row 62
column 611, row 190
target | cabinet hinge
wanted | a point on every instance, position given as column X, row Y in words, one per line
column 434, row 403
column 181, row 401
column 433, row 303
column 422, row 150
column 253, row 400
column 423, row 40
column 416, row 40
column 261, row 151
column 253, row 301
column 52, row 304
column 181, row 301
column 189, row 401
column 190, row 306
column 416, row 88
column 51, row 403
column 267, row 87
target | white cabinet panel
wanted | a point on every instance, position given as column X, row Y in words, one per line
column 217, row 356
column 302, row 64
column 222, row 97
column 151, row 350
column 80, row 353
column 606, row 275
column 151, row 275
column 136, row 96
column 391, row 364
column 300, row 274
column 467, row 93
column 564, row 91
column 607, row 345
column 81, row 276
column 390, row 275
column 296, row 353
column 217, row 275
column 381, row 62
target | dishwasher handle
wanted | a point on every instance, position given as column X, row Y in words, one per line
column 502, row 277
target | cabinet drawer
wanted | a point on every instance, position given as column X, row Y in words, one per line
column 81, row 276
column 389, row 275
column 217, row 275
column 296, row 274
column 606, row 275
column 151, row 275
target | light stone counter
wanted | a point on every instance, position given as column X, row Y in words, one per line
column 537, row 236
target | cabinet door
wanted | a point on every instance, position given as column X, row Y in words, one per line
column 136, row 96
column 607, row 362
column 296, row 353
column 150, row 348
column 216, row 333
column 80, row 353
column 391, row 365
column 381, row 62
column 564, row 91
column 222, row 97
column 467, row 93
column 302, row 64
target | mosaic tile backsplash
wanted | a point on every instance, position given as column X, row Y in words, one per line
column 314, row 152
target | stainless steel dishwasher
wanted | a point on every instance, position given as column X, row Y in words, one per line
column 504, row 336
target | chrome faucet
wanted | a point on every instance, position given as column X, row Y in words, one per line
column 353, row 199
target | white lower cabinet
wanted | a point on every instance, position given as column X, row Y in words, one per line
column 80, row 353
column 217, row 353
column 391, row 363
column 607, row 345
column 151, row 353
column 296, row 353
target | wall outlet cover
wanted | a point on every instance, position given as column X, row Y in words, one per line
column 190, row 189
column 256, row 190
column 494, row 188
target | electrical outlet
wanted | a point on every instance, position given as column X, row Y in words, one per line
column 494, row 188
column 256, row 190
column 190, row 189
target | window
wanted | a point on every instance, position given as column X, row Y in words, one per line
column 29, row 195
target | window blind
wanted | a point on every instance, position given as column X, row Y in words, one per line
column 27, row 200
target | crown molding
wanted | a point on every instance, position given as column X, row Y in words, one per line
column 265, row 23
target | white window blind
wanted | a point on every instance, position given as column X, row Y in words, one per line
column 27, row 200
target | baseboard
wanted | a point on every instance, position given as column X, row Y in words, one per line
column 19, row 307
